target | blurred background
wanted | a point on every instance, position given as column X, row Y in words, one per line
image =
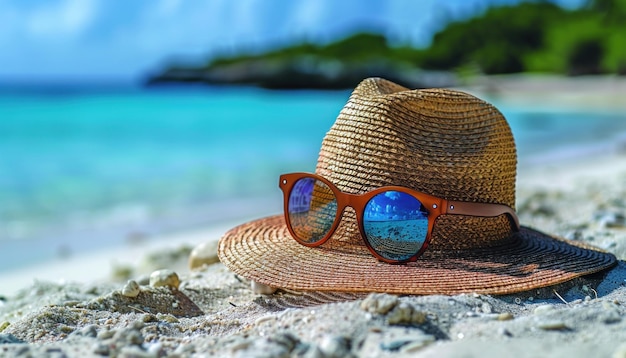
column 122, row 121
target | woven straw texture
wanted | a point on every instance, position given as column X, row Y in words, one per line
column 264, row 251
column 441, row 142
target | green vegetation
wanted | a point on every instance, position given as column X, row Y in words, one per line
column 535, row 36
column 496, row 42
column 357, row 48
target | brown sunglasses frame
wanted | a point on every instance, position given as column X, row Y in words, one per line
column 434, row 205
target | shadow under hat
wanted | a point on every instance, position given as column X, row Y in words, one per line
column 441, row 142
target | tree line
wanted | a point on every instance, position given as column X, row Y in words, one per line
column 536, row 36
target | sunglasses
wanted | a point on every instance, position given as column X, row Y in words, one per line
column 395, row 222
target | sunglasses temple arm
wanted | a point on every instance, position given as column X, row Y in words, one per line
column 480, row 209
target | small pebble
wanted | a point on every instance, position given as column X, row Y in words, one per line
column 335, row 346
column 380, row 303
column 405, row 314
column 505, row 316
column 131, row 289
column 4, row 325
column 552, row 326
column 167, row 278
column 203, row 254
column 543, row 309
column 262, row 289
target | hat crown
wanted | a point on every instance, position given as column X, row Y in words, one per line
column 441, row 142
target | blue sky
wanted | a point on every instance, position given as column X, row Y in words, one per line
column 123, row 40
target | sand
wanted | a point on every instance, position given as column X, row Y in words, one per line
column 85, row 307
column 583, row 92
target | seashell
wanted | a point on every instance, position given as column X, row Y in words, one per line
column 203, row 254
column 380, row 303
column 164, row 277
column 131, row 289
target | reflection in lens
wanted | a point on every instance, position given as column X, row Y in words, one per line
column 395, row 224
column 312, row 209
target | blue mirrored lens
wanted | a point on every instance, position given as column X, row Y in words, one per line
column 395, row 224
column 312, row 209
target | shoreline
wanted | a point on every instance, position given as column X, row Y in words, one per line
column 71, row 243
column 98, row 266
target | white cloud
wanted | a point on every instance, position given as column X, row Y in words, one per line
column 67, row 18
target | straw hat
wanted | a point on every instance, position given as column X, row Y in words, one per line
column 441, row 142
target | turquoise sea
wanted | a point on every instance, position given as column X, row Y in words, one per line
column 83, row 167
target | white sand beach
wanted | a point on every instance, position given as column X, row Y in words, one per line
column 583, row 92
column 85, row 307
column 100, row 266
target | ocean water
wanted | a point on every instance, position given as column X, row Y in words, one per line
column 83, row 168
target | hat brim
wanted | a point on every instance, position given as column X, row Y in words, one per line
column 264, row 251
